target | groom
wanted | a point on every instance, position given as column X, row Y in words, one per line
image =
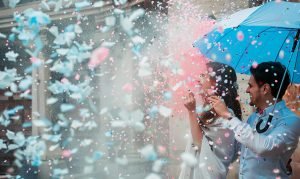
column 265, row 154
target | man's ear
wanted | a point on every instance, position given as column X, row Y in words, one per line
column 267, row 89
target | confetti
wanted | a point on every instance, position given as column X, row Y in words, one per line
column 122, row 161
column 13, row 3
column 157, row 165
column 188, row 159
column 148, row 153
column 66, row 107
column 82, row 4
column 110, row 21
column 164, row 111
column 153, row 176
column 11, row 56
column 25, row 83
column 98, row 56
column 240, row 36
column 2, row 145
column 99, row 4
column 3, row 36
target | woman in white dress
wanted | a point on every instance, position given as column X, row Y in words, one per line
column 214, row 146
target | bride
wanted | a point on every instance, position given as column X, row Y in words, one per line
column 213, row 146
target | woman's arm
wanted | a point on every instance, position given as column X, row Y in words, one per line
column 190, row 104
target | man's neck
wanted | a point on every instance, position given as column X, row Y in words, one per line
column 266, row 103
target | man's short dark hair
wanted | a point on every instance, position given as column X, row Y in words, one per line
column 272, row 74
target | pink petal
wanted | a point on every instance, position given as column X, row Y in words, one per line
column 98, row 56
column 240, row 36
column 66, row 153
column 127, row 87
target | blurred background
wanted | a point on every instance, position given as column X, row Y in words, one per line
column 92, row 89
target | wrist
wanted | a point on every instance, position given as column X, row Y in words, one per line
column 192, row 111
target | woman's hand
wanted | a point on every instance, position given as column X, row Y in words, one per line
column 190, row 102
column 219, row 106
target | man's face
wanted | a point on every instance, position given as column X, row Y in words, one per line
column 255, row 92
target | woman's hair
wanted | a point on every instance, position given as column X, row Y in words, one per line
column 226, row 85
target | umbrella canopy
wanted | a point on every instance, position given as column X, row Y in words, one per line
column 255, row 35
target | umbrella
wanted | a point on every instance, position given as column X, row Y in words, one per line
column 265, row 33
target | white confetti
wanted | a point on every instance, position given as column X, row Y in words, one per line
column 66, row 68
column 136, row 14
column 58, row 172
column 118, row 11
column 2, row 145
column 76, row 124
column 62, row 51
column 66, row 107
column 13, row 3
column 148, row 152
column 51, row 100
column 138, row 40
column 281, row 54
column 44, row 5
column 25, row 83
column 118, row 124
column 53, row 147
column 110, row 21
column 138, row 126
column 86, row 142
column 99, row 4
column 188, row 159
column 145, row 69
column 42, row 122
column 126, row 24
column 52, row 138
column 153, row 176
column 3, row 36
column 11, row 56
column 103, row 111
column 77, row 29
column 122, row 161
column 164, row 111
column 12, row 147
column 7, row 77
column 157, row 165
column 82, row 4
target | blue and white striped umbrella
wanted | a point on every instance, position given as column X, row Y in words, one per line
column 254, row 35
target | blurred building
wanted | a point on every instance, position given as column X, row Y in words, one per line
column 37, row 105
column 170, row 133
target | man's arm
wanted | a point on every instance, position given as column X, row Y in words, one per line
column 284, row 136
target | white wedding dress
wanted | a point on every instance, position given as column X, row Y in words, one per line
column 218, row 149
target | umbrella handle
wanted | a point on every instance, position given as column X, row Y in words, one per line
column 259, row 130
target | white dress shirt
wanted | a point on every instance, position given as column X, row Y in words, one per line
column 265, row 155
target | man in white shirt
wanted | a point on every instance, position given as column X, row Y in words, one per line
column 266, row 151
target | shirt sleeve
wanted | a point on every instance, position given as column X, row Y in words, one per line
column 284, row 136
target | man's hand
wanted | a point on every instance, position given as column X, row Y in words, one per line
column 190, row 102
column 219, row 106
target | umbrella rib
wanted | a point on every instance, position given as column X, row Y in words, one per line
column 282, row 46
column 296, row 61
column 248, row 46
column 219, row 40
